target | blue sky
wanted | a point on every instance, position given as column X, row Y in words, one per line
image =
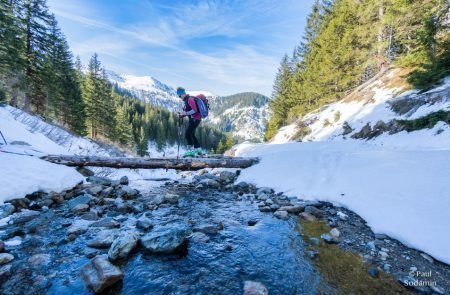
column 222, row 46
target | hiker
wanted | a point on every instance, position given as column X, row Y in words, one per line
column 191, row 111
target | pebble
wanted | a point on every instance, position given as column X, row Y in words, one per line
column 427, row 257
column 342, row 216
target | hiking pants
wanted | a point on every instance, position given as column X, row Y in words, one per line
column 190, row 132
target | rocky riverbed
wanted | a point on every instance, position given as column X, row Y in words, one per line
column 208, row 235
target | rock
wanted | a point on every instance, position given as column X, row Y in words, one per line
column 373, row 272
column 242, row 185
column 91, row 253
column 85, row 171
column 315, row 241
column 210, row 183
column 252, row 222
column 269, row 202
column 78, row 227
column 144, row 223
column 380, row 236
column 335, row 233
column 39, row 259
column 123, row 246
column 5, row 271
column 427, row 257
column 342, row 216
column 274, row 207
column 308, row 217
column 2, row 246
column 314, row 211
column 329, row 239
column 6, row 258
column 99, row 180
column 262, row 197
column 265, row 190
column 265, row 209
column 312, row 254
column 124, row 180
column 387, row 267
column 206, row 229
column 254, row 288
column 157, row 200
column 437, row 289
column 292, row 209
column 92, row 215
column 24, row 216
column 227, row 176
column 383, row 255
column 103, row 239
column 83, row 199
column 95, row 190
column 171, row 198
column 371, row 246
column 199, row 237
column 165, row 240
column 99, row 274
column 127, row 192
column 106, row 222
column 20, row 203
column 6, row 210
column 80, row 208
column 281, row 214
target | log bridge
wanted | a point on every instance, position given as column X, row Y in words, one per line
column 152, row 163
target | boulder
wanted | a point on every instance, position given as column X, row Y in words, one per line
column 123, row 246
column 103, row 239
column 24, row 216
column 227, row 176
column 254, row 288
column 280, row 214
column 83, row 199
column 329, row 239
column 167, row 239
column 99, row 274
column 144, row 223
column 265, row 190
column 127, row 192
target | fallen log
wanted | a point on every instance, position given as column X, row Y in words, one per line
column 151, row 163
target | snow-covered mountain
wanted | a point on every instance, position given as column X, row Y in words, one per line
column 244, row 115
column 382, row 151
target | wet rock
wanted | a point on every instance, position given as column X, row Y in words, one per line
column 6, row 258
column 83, row 199
column 295, row 209
column 227, row 176
column 373, row 272
column 103, row 239
column 144, row 223
column 39, row 260
column 254, row 288
column 106, row 223
column 78, row 227
column 171, row 198
column 124, row 180
column 99, row 180
column 92, row 216
column 314, row 211
column 80, row 208
column 157, row 200
column 335, row 233
column 167, row 239
column 265, row 209
column 199, row 237
column 329, row 239
column 252, row 222
column 24, row 216
column 6, row 210
column 274, row 207
column 5, row 271
column 91, row 253
column 206, row 229
column 85, row 171
column 2, row 246
column 95, row 190
column 127, row 192
column 307, row 216
column 210, row 183
column 281, row 214
column 99, row 274
column 123, row 246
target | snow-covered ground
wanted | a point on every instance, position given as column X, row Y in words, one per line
column 29, row 137
column 398, row 183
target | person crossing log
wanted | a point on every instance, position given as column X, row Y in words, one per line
column 152, row 163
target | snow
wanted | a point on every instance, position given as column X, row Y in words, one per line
column 21, row 175
column 204, row 92
column 398, row 183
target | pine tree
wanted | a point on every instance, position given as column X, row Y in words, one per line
column 92, row 95
column 124, row 128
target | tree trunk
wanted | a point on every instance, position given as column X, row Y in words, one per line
column 152, row 163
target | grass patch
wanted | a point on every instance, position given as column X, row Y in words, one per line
column 345, row 270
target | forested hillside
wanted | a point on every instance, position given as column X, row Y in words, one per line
column 346, row 42
column 38, row 73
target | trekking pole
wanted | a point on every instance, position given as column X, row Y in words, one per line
column 3, row 137
column 179, row 136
